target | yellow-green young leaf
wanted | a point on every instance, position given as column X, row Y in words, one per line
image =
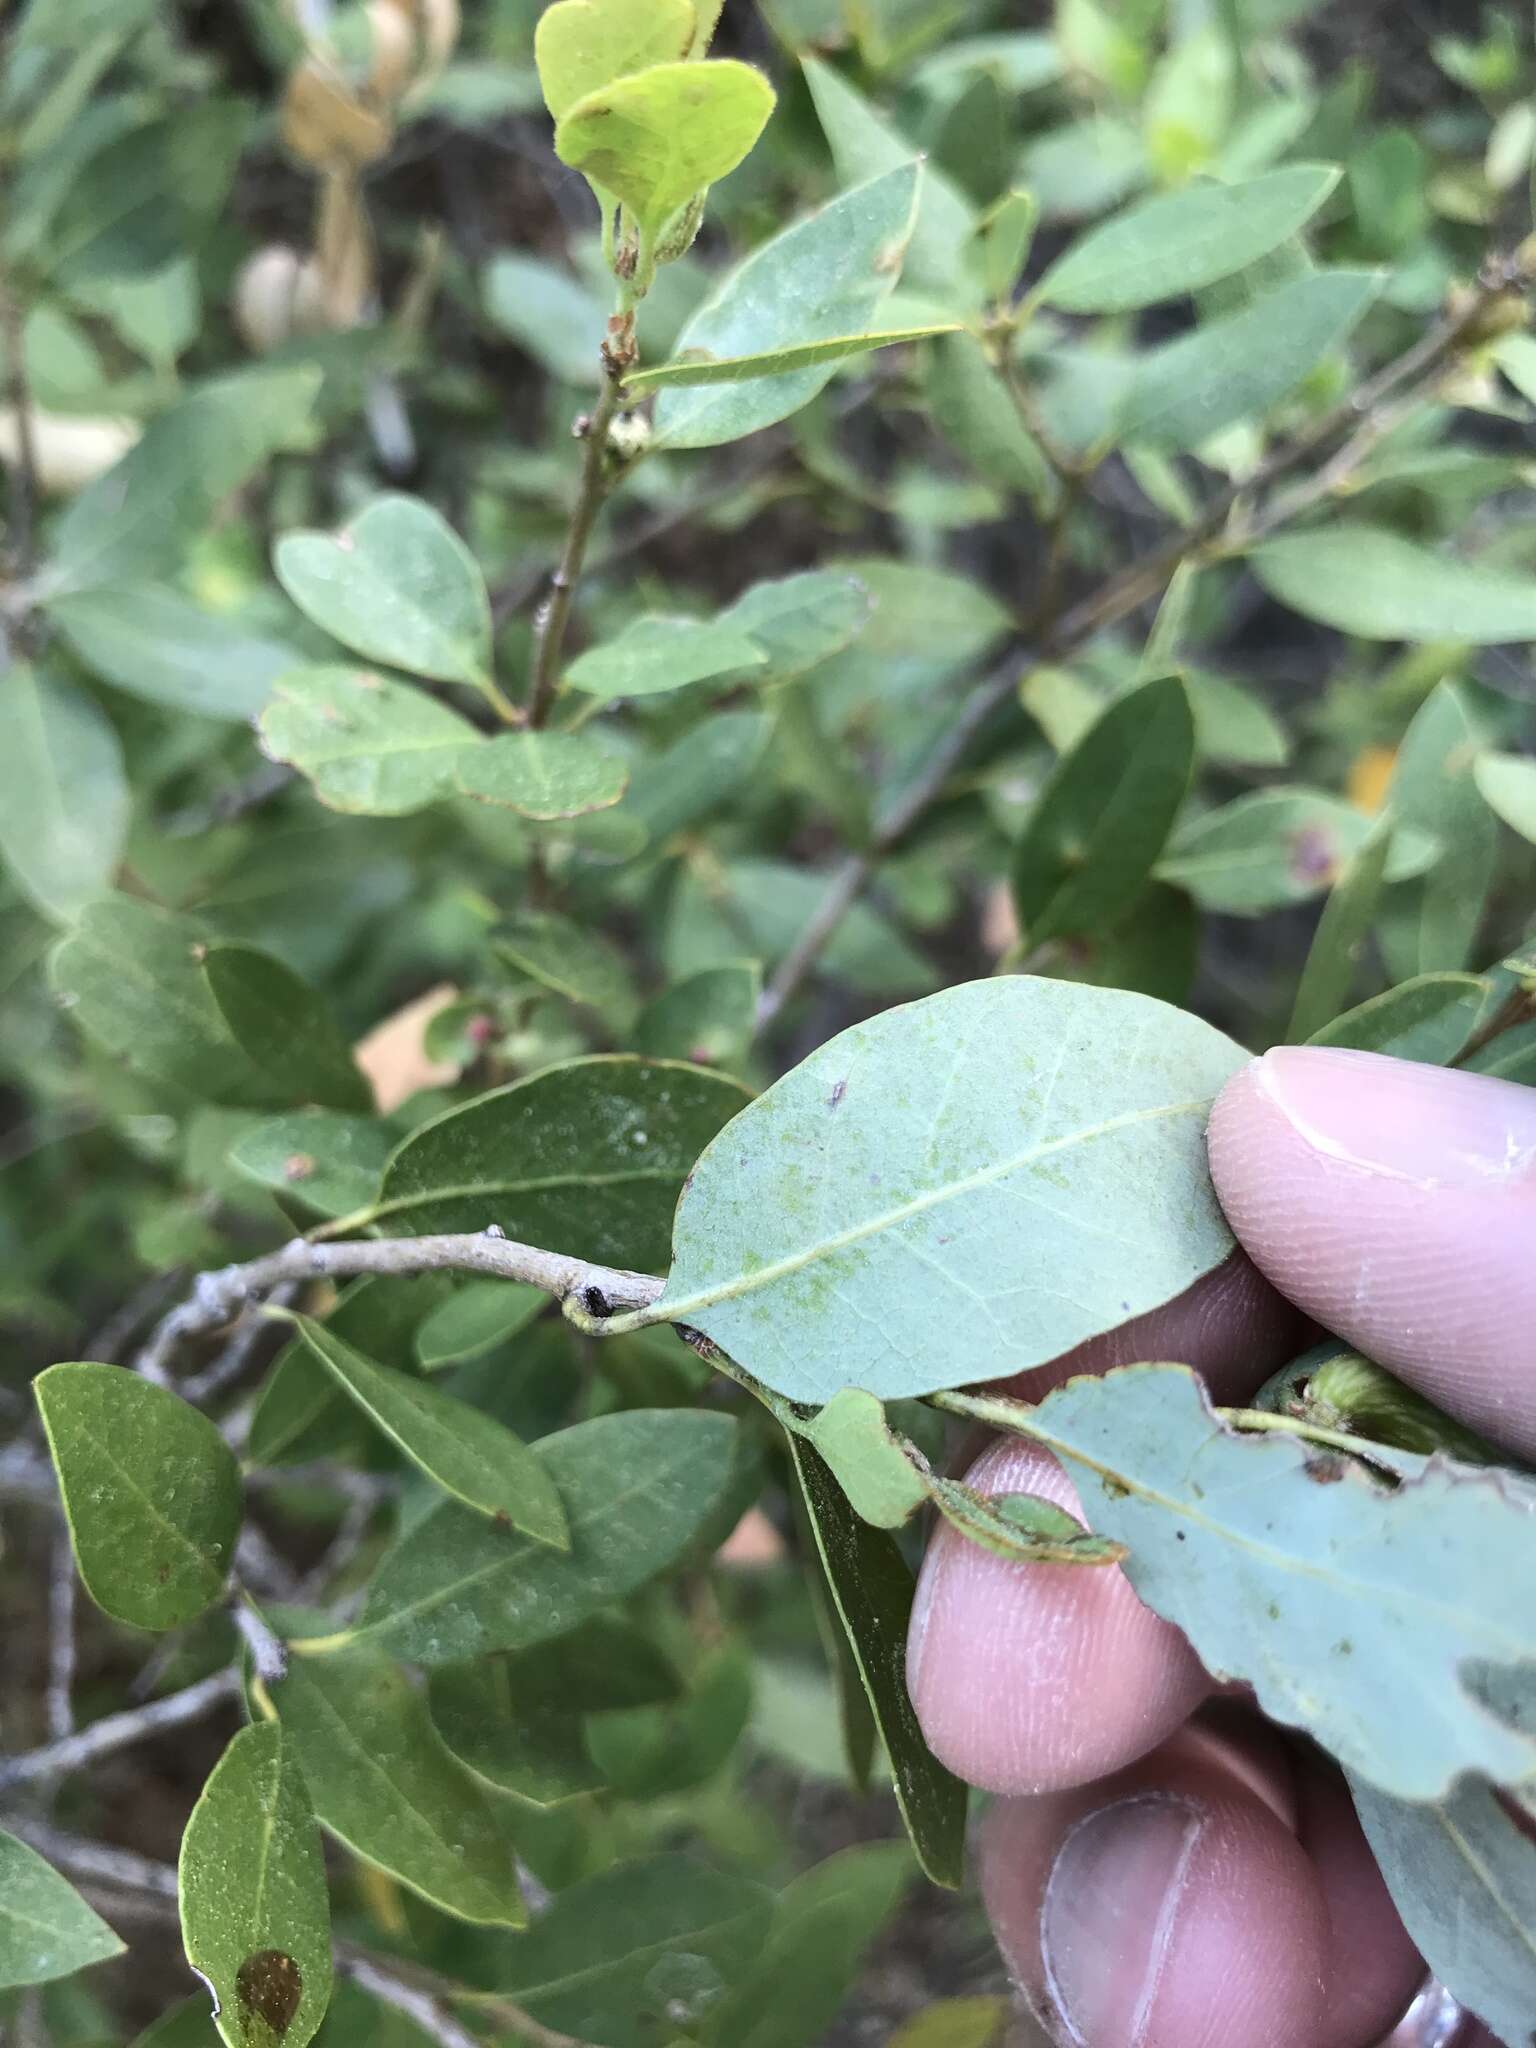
column 1434, row 923
column 1279, row 846
column 1508, row 786
column 395, row 584
column 658, row 137
column 870, row 1588
column 1363, row 579
column 46, row 1928
column 639, row 1487
column 963, row 1152
column 825, row 276
column 63, row 793
column 1101, row 821
column 1183, row 241
column 151, row 1490
column 573, row 960
column 255, row 1913
column 955, row 2023
column 286, row 1028
column 1428, row 1019
column 469, row 1454
column 542, row 775
column 778, row 362
column 384, row 1783
column 367, row 743
column 582, row 45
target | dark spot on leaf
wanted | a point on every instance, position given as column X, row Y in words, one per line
column 1326, row 1468
column 1519, row 1817
column 1116, row 1491
column 838, row 1092
column 298, row 1166
column 162, row 1574
column 1344, row 1649
column 502, row 1519
column 1273, row 1610
column 268, row 1989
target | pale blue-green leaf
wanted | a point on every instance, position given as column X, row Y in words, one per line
column 329, row 1162
column 639, row 1488
column 46, row 1929
column 799, row 621
column 542, row 775
column 150, row 639
column 973, row 410
column 1366, row 580
column 697, row 773
column 654, row 653
column 1507, row 784
column 571, row 959
column 1429, row 1018
column 707, row 1017
column 1361, row 1611
column 821, row 277
column 779, row 362
column 366, row 742
column 1182, row 241
column 255, row 1913
column 556, row 319
column 63, row 792
column 956, row 1190
column 397, row 585
column 1279, row 846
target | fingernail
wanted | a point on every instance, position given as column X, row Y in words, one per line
column 1430, row 1125
column 1110, row 1915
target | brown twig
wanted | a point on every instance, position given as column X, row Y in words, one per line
column 591, row 492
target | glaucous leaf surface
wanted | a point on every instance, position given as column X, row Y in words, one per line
column 151, row 1490
column 898, row 1212
column 1183, row 241
column 586, row 1158
column 1507, row 784
column 286, row 1028
column 255, row 1912
column 542, row 775
column 571, row 959
column 582, row 45
column 799, row 621
column 1362, row 1612
column 47, row 1930
column 1462, row 1873
column 329, row 1162
column 463, row 1450
column 594, row 1965
column 654, row 654
column 1279, row 846
column 1429, row 1018
column 824, row 276
column 384, row 1783
column 397, row 585
column 150, row 639
column 544, row 308
column 871, row 1590
column 367, row 743
column 657, row 137
column 63, row 794
column 1100, row 823
column 638, row 1488
column 1434, row 923
column 1366, row 580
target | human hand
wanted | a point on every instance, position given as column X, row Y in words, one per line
column 1165, row 1869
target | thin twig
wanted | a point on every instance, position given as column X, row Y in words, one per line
column 427, row 2012
column 238, row 1352
column 218, row 1297
column 25, row 489
column 61, row 1637
column 119, row 1731
column 549, row 633
column 112, row 1339
column 269, row 1658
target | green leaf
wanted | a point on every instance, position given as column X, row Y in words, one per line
column 948, row 1161
column 658, row 137
column 130, row 976
column 366, row 743
column 47, row 1930
column 864, row 146
column 466, row 1452
column 972, row 409
column 766, row 903
column 587, row 1156
column 573, row 960
column 798, row 622
column 140, row 518
column 255, row 1913
column 1462, row 1873
column 1429, row 1019
column 558, row 321
column 1183, row 241
column 330, row 1163
column 151, row 1490
column 542, row 775
column 654, row 654
column 1434, row 792
column 823, row 277
column 397, row 585
column 1278, row 846
column 286, row 1028
column 149, row 639
column 583, row 45
column 871, row 1589
column 1101, row 821
column 956, row 2023
column 658, row 1752
column 63, row 794
column 638, row 1489
column 475, row 1319
column 1240, row 367
column 1333, row 960
column 697, row 773
column 779, row 362
column 1363, row 579
column 1340, row 1599
column 1507, row 785
column 587, row 1966
column 384, row 1783
column 707, row 1017
column 823, row 1922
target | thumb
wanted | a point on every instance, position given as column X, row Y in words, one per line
column 1396, row 1204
